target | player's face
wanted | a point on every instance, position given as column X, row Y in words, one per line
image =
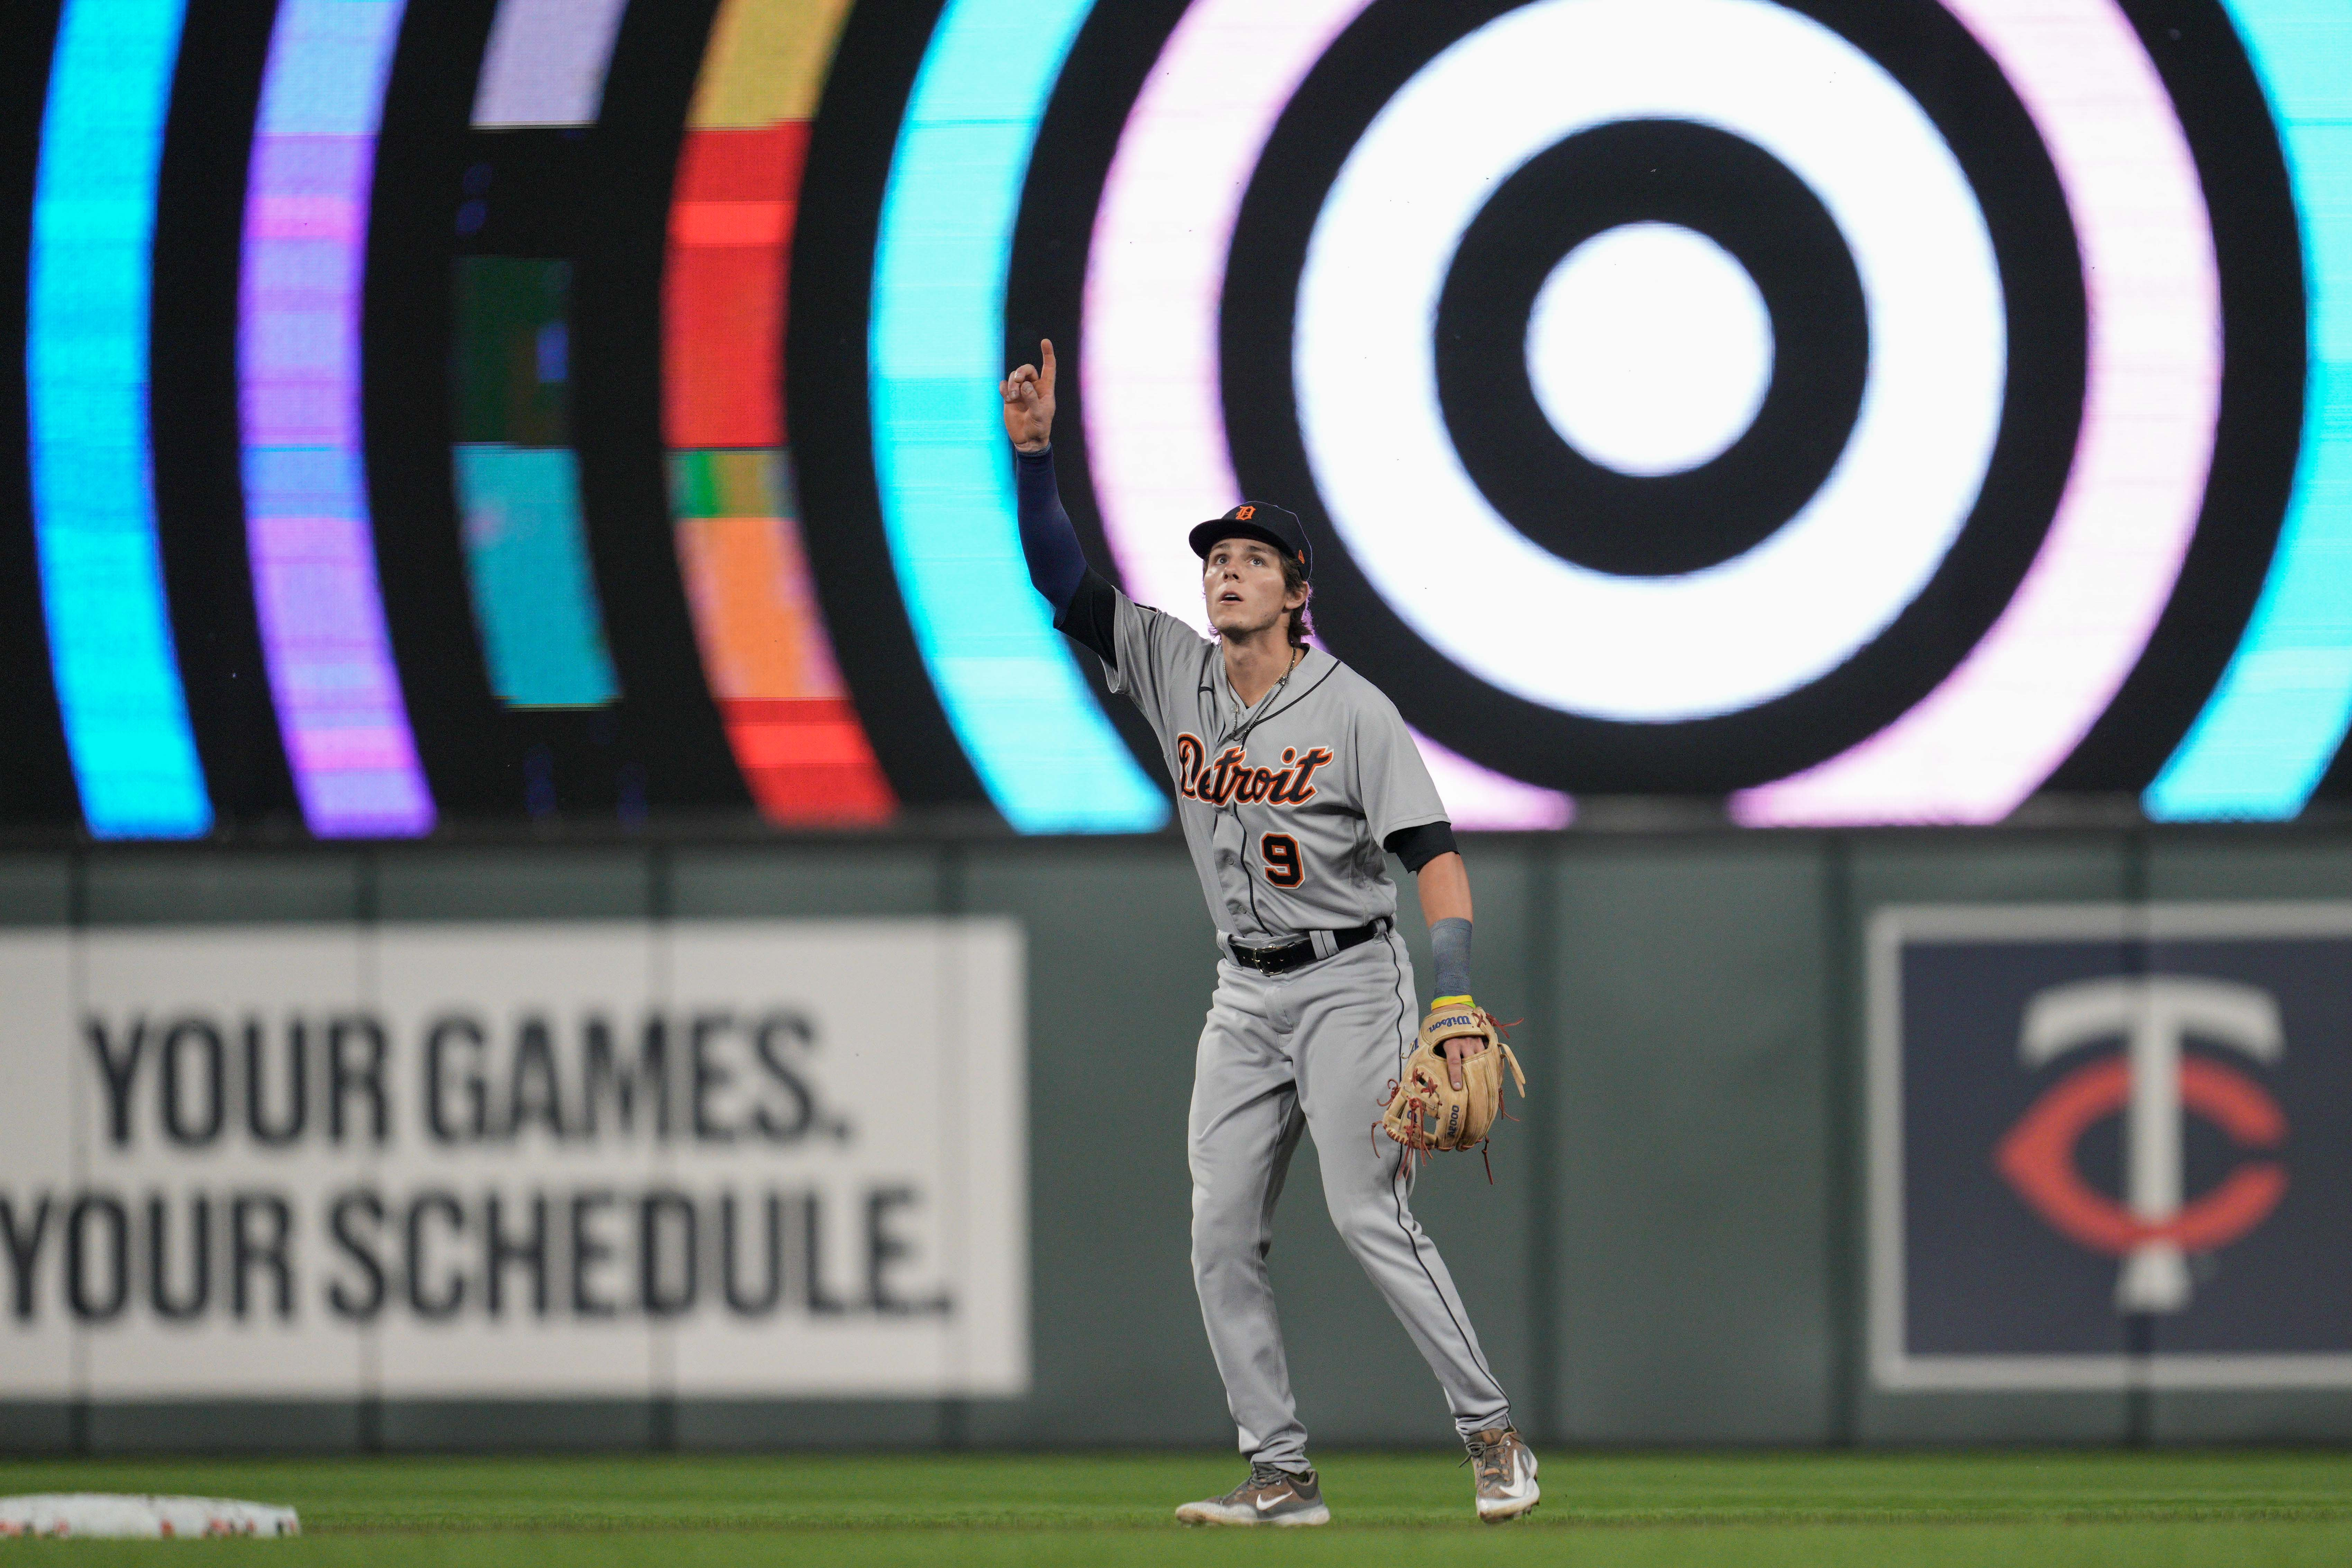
column 1241, row 578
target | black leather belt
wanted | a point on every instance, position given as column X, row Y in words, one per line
column 1284, row 957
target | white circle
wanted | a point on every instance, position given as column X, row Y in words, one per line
column 1785, row 613
column 1650, row 349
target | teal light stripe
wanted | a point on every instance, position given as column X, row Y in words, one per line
column 534, row 595
column 2274, row 721
column 1046, row 752
column 87, row 328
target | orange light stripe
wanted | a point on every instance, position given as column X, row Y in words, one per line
column 767, row 225
column 831, row 737
column 766, row 652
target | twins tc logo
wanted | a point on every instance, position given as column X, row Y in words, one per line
column 2153, row 1083
column 1231, row 777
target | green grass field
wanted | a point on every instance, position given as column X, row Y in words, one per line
column 2011, row 1510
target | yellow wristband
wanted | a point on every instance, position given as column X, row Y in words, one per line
column 1451, row 1002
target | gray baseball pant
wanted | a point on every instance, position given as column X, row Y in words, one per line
column 1314, row 1048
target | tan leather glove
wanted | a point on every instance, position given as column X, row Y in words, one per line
column 1425, row 1112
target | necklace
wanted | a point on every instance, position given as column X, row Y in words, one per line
column 1265, row 703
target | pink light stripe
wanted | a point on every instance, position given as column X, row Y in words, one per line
column 1987, row 737
column 1155, row 423
column 1480, row 798
column 326, row 537
column 292, row 412
column 360, row 750
column 307, row 218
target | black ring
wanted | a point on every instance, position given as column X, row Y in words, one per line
column 1747, row 201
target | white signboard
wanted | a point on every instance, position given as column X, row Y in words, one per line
column 777, row 1159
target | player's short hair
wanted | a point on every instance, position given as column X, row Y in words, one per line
column 1294, row 575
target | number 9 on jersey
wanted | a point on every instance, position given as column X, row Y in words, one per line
column 1282, row 865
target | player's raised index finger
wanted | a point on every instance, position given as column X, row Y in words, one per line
column 1046, row 363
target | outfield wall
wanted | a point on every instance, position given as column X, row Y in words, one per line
column 1675, row 1250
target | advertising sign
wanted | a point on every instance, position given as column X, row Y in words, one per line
column 2111, row 1145
column 553, row 1159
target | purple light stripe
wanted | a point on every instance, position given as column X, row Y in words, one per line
column 308, row 532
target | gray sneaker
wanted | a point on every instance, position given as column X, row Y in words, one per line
column 1506, row 1472
column 1271, row 1496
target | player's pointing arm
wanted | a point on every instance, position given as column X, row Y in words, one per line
column 1084, row 605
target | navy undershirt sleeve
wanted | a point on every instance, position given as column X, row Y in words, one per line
column 1084, row 605
column 1056, row 561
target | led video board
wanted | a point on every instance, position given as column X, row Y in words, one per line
column 1855, row 411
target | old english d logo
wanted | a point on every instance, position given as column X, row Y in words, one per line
column 2153, row 1084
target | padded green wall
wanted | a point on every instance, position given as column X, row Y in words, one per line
column 1670, row 1251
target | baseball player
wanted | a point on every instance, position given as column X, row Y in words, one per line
column 1294, row 775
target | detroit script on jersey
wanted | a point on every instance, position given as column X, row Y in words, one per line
column 1286, row 803
column 1231, row 777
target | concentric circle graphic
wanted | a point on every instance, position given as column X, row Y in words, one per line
column 1892, row 565
column 1809, row 596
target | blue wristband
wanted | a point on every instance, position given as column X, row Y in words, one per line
column 1450, row 940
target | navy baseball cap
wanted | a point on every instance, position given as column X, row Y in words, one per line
column 1257, row 519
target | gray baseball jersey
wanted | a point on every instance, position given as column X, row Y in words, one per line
column 1286, row 804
